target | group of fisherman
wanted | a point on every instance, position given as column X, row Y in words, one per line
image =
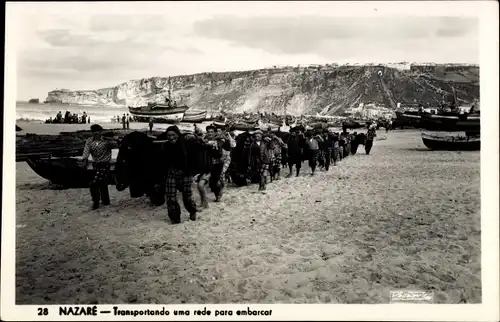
column 211, row 159
column 124, row 120
column 69, row 118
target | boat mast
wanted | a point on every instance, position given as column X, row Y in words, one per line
column 169, row 91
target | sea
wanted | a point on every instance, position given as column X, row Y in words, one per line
column 40, row 112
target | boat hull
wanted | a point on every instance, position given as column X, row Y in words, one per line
column 353, row 125
column 196, row 117
column 450, row 123
column 451, row 143
column 166, row 119
column 152, row 111
column 245, row 126
column 66, row 172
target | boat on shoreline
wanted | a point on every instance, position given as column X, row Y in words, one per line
column 66, row 171
column 170, row 115
column 166, row 112
column 452, row 142
column 451, row 122
column 194, row 116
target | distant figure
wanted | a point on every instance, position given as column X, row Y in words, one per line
column 128, row 121
column 124, row 121
column 88, row 120
column 118, row 118
column 151, row 124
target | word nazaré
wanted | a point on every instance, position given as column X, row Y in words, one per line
column 78, row 310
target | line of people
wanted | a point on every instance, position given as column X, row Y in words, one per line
column 69, row 118
column 211, row 160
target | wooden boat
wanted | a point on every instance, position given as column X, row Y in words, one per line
column 18, row 128
column 66, row 171
column 407, row 118
column 244, row 126
column 351, row 124
column 194, row 116
column 219, row 125
column 451, row 122
column 452, row 143
column 160, row 112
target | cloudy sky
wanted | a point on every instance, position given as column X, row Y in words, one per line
column 98, row 47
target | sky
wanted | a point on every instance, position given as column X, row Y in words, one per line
column 96, row 46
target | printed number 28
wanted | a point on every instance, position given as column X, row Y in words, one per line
column 43, row 311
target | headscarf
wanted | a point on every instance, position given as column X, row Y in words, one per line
column 174, row 128
column 96, row 128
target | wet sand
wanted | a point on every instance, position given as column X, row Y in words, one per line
column 403, row 217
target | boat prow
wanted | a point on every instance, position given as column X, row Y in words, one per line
column 67, row 171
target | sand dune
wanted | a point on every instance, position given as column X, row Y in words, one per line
column 401, row 218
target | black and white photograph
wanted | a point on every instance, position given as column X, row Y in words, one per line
column 249, row 152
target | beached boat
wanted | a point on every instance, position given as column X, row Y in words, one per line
column 244, row 126
column 67, row 171
column 407, row 118
column 18, row 128
column 451, row 122
column 452, row 143
column 159, row 112
column 352, row 124
column 194, row 116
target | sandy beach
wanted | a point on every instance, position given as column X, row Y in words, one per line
column 403, row 217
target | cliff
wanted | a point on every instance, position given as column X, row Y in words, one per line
column 328, row 90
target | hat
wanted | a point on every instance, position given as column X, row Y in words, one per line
column 173, row 128
column 96, row 128
column 258, row 132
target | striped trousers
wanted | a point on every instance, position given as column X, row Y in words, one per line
column 176, row 180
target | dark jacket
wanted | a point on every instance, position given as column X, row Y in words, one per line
column 295, row 145
column 175, row 156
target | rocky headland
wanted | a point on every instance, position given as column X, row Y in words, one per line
column 326, row 89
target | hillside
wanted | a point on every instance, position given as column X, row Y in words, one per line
column 328, row 90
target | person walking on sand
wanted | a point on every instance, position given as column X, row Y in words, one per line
column 313, row 150
column 124, row 121
column 336, row 149
column 278, row 145
column 228, row 143
column 327, row 148
column 100, row 149
column 260, row 158
column 341, row 146
column 151, row 124
column 321, row 151
column 215, row 140
column 370, row 136
column 295, row 151
column 354, row 143
column 178, row 175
